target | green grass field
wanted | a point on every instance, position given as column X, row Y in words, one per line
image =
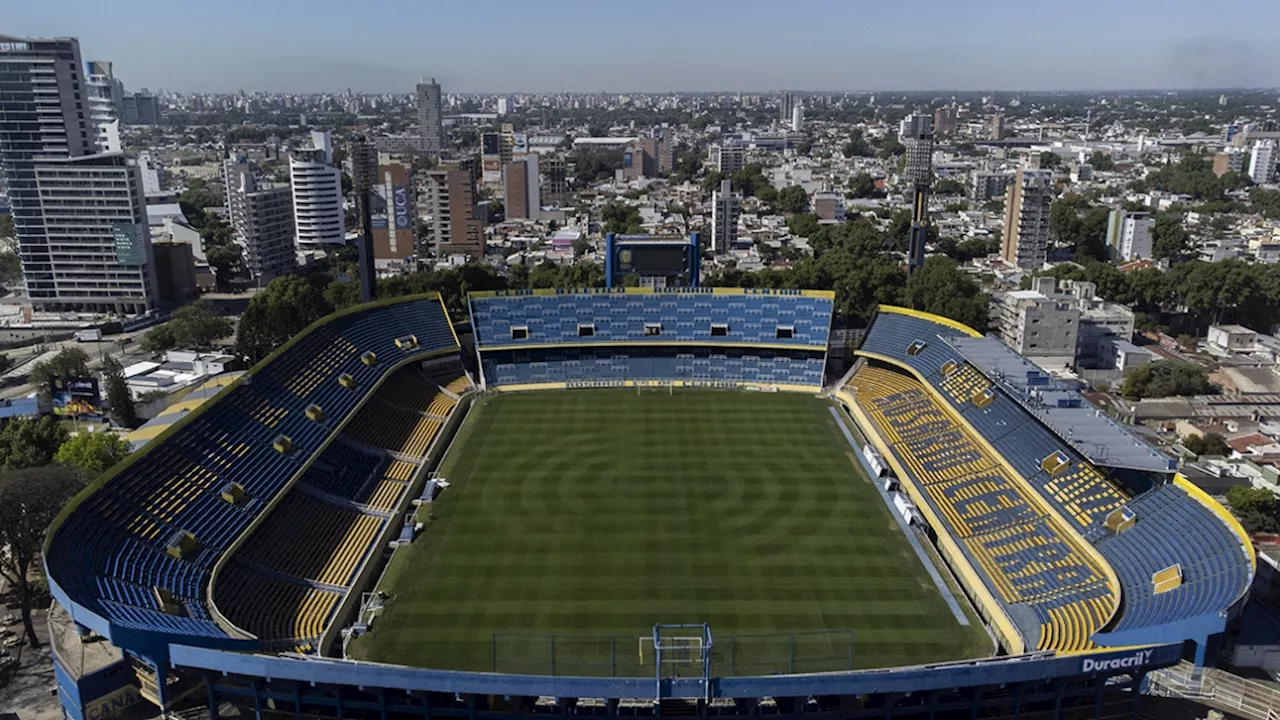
column 601, row 512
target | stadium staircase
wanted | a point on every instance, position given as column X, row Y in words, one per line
column 1217, row 689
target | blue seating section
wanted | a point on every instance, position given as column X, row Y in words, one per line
column 788, row 318
column 1173, row 528
column 343, row 469
column 110, row 552
column 572, row 365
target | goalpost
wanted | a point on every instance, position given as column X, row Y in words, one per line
column 677, row 653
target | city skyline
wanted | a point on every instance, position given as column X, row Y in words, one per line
column 576, row 46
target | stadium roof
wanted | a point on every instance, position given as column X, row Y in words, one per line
column 1059, row 405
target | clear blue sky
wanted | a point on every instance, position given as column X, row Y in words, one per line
column 660, row 45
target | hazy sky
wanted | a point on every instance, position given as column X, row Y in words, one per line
column 660, row 45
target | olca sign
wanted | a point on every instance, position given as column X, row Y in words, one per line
column 1126, row 662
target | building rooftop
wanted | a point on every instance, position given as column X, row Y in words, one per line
column 1058, row 404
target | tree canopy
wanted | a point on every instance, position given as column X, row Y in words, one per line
column 793, row 199
column 281, row 310
column 1257, row 508
column 1165, row 379
column 93, row 452
column 70, row 362
column 1208, row 444
column 30, row 498
column 119, row 398
column 194, row 326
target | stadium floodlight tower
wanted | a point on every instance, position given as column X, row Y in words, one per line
column 916, row 134
column 364, row 172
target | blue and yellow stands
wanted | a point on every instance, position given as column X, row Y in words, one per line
column 212, row 474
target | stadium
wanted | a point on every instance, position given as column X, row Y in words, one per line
column 623, row 502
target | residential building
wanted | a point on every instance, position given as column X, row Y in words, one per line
column 175, row 272
column 99, row 240
column 262, row 217
column 829, row 206
column 430, row 116
column 1101, row 324
column 664, row 149
column 521, row 191
column 66, row 237
column 997, row 128
column 106, row 104
column 362, row 163
column 317, row 195
column 491, row 158
column 640, row 159
column 1039, row 324
column 786, row 107
column 392, row 216
column 451, row 205
column 1262, row 166
column 726, row 207
column 1232, row 338
column 1229, row 160
column 1133, row 241
column 154, row 174
column 504, row 105
column 944, row 120
column 141, row 108
column 1026, row 219
column 729, row 157
column 555, row 180
column 990, row 185
column 797, row 118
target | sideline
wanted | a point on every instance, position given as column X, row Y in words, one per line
column 902, row 523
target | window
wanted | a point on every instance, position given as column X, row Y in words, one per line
column 718, row 330
column 652, row 329
column 519, row 332
column 785, row 332
column 586, row 330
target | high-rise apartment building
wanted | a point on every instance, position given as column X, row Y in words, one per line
column 989, row 185
column 106, row 104
column 797, row 118
column 944, row 120
column 262, row 217
column 1262, row 166
column 997, row 127
column 430, row 116
column 726, row 206
column 451, row 205
column 141, row 108
column 728, row 158
column 317, row 194
column 522, row 196
column 555, row 180
column 99, row 240
column 1026, row 219
column 786, row 106
column 80, row 218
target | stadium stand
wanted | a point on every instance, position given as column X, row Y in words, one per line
column 1189, row 544
column 276, row 611
column 156, row 526
column 312, row 540
column 1022, row 553
column 715, row 337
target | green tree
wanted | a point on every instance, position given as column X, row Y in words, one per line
column 1169, row 239
column 1208, row 444
column 1050, row 160
column 6, row 225
column 1102, row 161
column 227, row 262
column 950, row 186
column 621, row 218
column 119, row 398
column 93, row 452
column 857, row 147
column 793, row 199
column 30, row 499
column 198, row 326
column 1257, row 508
column 286, row 306
column 581, row 246
column 941, row 288
column 69, row 363
column 158, row 339
column 30, row 443
column 1165, row 379
column 862, row 185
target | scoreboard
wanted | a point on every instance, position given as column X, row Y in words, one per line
column 656, row 260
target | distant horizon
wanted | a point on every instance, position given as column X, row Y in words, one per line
column 585, row 46
column 774, row 91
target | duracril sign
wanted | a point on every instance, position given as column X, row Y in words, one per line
column 1126, row 662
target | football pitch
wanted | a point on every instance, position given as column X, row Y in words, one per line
column 576, row 520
